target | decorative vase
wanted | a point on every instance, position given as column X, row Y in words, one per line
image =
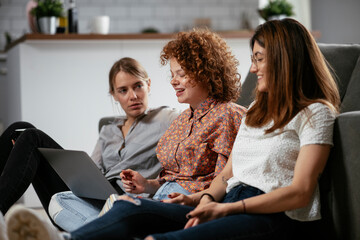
column 277, row 17
column 47, row 25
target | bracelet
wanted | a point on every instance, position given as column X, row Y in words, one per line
column 209, row 195
column 244, row 207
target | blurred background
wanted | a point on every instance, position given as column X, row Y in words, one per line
column 336, row 20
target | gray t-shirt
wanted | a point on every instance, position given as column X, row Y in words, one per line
column 136, row 151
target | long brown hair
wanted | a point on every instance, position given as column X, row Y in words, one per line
column 206, row 59
column 127, row 65
column 297, row 74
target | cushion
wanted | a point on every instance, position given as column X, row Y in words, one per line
column 351, row 100
column 342, row 58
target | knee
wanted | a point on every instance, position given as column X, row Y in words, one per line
column 54, row 207
column 30, row 135
column 20, row 125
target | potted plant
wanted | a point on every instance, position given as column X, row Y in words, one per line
column 46, row 13
column 276, row 9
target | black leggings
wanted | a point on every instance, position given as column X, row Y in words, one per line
column 22, row 164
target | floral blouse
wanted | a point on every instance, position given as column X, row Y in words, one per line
column 198, row 143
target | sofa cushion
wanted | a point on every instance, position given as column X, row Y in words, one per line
column 339, row 185
column 342, row 58
column 351, row 100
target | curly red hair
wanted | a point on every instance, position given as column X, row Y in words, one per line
column 206, row 59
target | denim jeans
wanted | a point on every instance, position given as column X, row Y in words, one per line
column 127, row 220
column 22, row 164
column 167, row 188
column 71, row 212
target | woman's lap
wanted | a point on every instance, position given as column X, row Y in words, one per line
column 126, row 220
column 166, row 221
column 240, row 226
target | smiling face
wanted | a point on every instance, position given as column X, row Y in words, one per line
column 186, row 91
column 131, row 93
column 258, row 67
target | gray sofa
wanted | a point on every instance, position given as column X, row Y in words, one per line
column 339, row 184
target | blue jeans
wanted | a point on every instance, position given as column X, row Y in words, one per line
column 166, row 221
column 167, row 188
column 71, row 212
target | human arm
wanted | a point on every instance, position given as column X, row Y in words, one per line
column 310, row 164
column 216, row 190
column 134, row 182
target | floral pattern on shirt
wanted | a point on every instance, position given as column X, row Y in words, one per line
column 198, row 143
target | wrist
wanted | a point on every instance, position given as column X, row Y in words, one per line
column 244, row 206
column 152, row 185
column 160, row 181
column 208, row 196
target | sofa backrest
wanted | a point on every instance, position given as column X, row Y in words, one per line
column 344, row 60
column 339, row 185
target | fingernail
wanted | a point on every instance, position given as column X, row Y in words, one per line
column 188, row 216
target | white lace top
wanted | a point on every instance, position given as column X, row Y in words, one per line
column 267, row 161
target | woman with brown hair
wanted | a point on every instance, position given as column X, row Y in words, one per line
column 129, row 142
column 120, row 145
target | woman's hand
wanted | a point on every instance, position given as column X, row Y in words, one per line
column 133, row 182
column 205, row 212
column 181, row 199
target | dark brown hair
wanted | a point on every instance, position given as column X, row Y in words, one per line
column 206, row 59
column 297, row 74
column 127, row 65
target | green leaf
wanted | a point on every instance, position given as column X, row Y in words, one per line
column 276, row 7
column 48, row 8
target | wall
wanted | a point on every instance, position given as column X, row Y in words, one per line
column 338, row 21
column 131, row 16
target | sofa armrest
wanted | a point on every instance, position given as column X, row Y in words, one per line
column 341, row 180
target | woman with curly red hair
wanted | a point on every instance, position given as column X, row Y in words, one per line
column 198, row 143
column 206, row 59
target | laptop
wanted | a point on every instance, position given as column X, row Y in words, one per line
column 79, row 173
